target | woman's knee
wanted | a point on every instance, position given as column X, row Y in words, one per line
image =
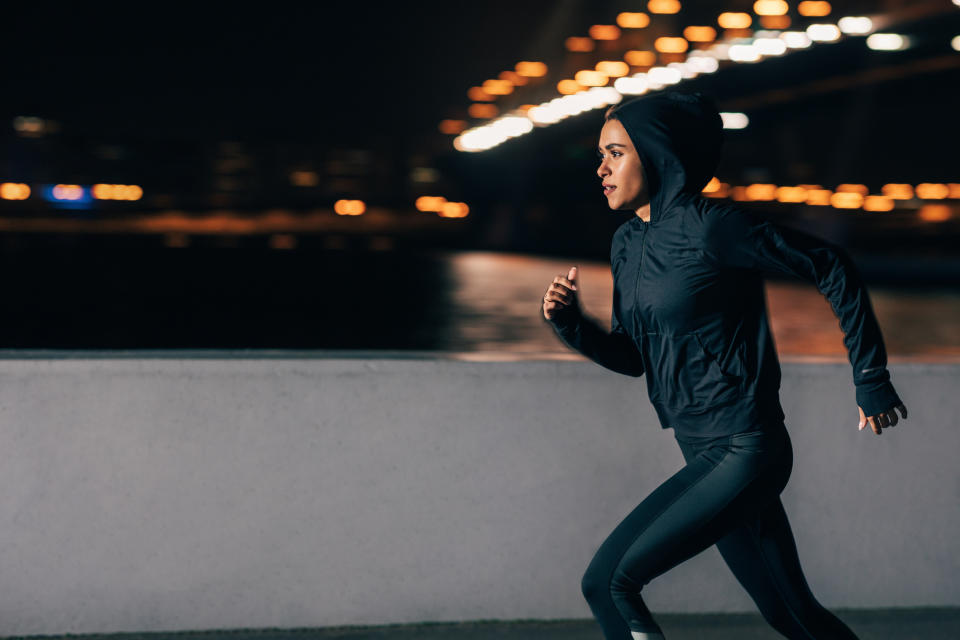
column 595, row 584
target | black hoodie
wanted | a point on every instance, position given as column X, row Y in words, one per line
column 689, row 308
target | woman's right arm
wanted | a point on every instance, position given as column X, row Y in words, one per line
column 614, row 350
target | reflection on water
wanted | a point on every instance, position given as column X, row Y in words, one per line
column 495, row 312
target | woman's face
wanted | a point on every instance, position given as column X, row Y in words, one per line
column 620, row 168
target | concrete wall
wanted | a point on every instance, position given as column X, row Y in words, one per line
column 144, row 493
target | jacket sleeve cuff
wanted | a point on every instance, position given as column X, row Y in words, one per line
column 877, row 397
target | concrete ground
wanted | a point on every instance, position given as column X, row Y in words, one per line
column 878, row 624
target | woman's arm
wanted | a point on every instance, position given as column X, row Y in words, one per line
column 614, row 350
column 736, row 238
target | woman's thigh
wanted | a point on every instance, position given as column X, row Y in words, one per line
column 719, row 487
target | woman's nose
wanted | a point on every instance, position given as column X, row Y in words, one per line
column 603, row 169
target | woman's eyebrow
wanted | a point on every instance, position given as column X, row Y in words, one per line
column 611, row 145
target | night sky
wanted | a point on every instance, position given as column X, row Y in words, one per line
column 322, row 72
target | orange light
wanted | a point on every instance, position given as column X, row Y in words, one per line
column 877, row 203
column 853, row 188
column 301, row 179
column 430, row 203
column 731, row 20
column 531, row 69
column 846, row 200
column 722, row 191
column 791, row 194
column 514, row 78
column 134, row 192
column 712, row 186
column 700, row 34
column 663, row 6
column 954, row 190
column 640, row 58
column 14, row 191
column 739, row 193
column 454, row 210
column 604, row 32
column 568, row 87
column 929, row 191
column 670, row 45
column 819, row 197
column 636, row 20
column 482, row 110
column 775, row 22
column 935, row 213
column 349, row 207
column 477, row 94
column 761, row 191
column 576, row 43
column 812, row 9
column 590, row 78
column 613, row 68
column 498, row 87
column 898, row 191
column 770, row 7
column 452, row 127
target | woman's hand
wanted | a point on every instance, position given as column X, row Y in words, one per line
column 561, row 295
column 881, row 420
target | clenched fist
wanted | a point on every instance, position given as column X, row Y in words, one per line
column 561, row 295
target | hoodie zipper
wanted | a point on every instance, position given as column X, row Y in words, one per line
column 636, row 286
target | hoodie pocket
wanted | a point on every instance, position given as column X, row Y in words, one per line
column 687, row 378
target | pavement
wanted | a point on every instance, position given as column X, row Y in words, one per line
column 868, row 624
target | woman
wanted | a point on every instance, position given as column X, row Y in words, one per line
column 689, row 311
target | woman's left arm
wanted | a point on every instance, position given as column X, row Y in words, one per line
column 737, row 238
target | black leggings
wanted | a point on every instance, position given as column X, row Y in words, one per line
column 728, row 494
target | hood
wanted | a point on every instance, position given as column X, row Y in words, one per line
column 678, row 137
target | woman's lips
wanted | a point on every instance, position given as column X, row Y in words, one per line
column 608, row 190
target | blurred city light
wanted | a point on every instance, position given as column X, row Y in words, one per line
column 770, row 46
column 811, row 9
column 349, row 207
column 482, row 110
column 898, row 191
column 640, row 58
column 498, row 87
column 955, row 42
column 663, row 6
column 853, row 188
column 823, row 32
column 531, row 69
column 670, row 45
column 452, row 127
column 855, row 25
column 14, row 191
column 633, row 85
column 846, row 200
column 935, row 213
column 67, row 192
column 928, row 191
column 115, row 192
column 454, row 210
column 734, row 120
column 796, row 39
column 604, row 32
column 770, row 7
column 819, row 197
column 590, row 78
column 430, row 203
column 887, row 42
column 731, row 20
column 761, row 191
column 660, row 76
column 700, row 34
column 743, row 53
column 569, row 86
column 878, row 203
column 478, row 94
column 578, row 43
column 775, row 22
column 636, row 20
column 791, row 194
column 613, row 68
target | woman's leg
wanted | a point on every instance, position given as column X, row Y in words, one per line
column 718, row 489
column 763, row 556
